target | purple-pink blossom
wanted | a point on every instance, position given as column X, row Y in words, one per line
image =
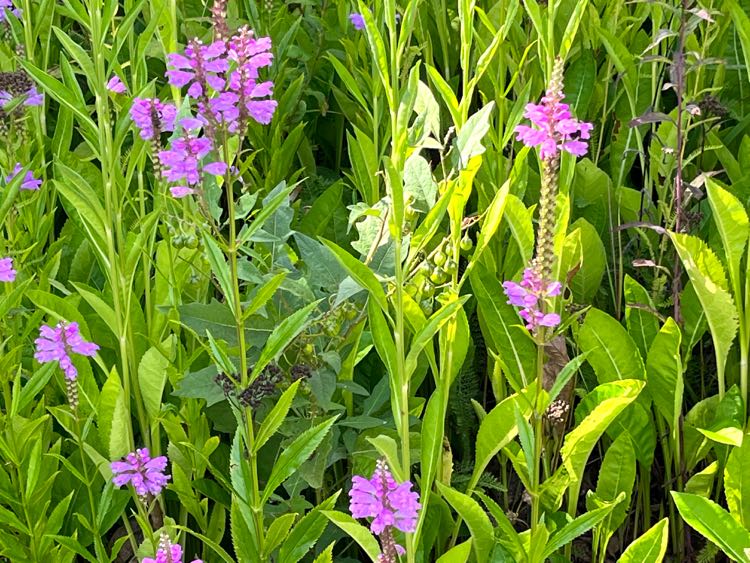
column 167, row 552
column 28, row 182
column 358, row 21
column 182, row 163
column 58, row 343
column 252, row 98
column 200, row 65
column 388, row 503
column 116, row 85
column 33, row 97
column 152, row 116
column 554, row 128
column 145, row 473
column 531, row 295
column 7, row 273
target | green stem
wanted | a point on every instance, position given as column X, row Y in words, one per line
column 537, row 415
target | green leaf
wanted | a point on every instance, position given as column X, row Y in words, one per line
column 498, row 428
column 470, row 136
column 113, row 417
column 616, row 477
column 710, row 283
column 326, row 556
column 294, row 455
column 286, row 331
column 579, row 526
column 642, row 324
column 457, row 554
column 714, row 523
column 493, row 217
column 277, row 532
column 152, row 374
column 650, row 547
column 220, row 268
column 503, row 327
column 482, row 533
column 263, row 293
column 587, row 281
column 581, row 440
column 306, row 532
column 276, row 417
column 611, row 352
column 574, row 21
column 742, row 26
column 664, row 372
column 702, row 483
column 737, row 483
column 360, row 273
column 732, row 223
column 356, row 531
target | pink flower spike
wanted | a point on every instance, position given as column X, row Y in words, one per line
column 146, row 474
column 115, row 85
column 58, row 343
column 7, row 273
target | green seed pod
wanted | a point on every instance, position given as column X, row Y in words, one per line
column 439, row 258
column 410, row 213
column 427, row 289
column 411, row 289
column 426, row 307
column 450, row 267
column 309, row 349
column 436, row 276
column 466, row 243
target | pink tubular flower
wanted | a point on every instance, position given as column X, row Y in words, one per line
column 200, row 65
column 252, row 97
column 390, row 504
column 7, row 273
column 554, row 128
column 357, row 21
column 144, row 473
column 28, row 183
column 182, row 163
column 152, row 116
column 115, row 85
column 56, row 345
column 530, row 295
column 168, row 552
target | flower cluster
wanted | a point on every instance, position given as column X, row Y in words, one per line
column 223, row 78
column 152, row 117
column 28, row 183
column 182, row 163
column 531, row 296
column 145, row 473
column 7, row 273
column 58, row 343
column 168, row 552
column 553, row 127
column 391, row 505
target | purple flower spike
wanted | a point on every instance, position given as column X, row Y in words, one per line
column 7, row 273
column 168, row 552
column 554, row 128
column 28, row 183
column 200, row 65
column 115, row 85
column 357, row 21
column 152, row 117
column 530, row 295
column 387, row 502
column 391, row 505
column 57, row 344
column 146, row 474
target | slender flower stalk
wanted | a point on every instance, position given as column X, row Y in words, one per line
column 553, row 130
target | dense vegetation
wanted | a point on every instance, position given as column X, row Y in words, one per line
column 409, row 280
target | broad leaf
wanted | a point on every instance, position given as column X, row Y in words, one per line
column 482, row 533
column 650, row 547
column 611, row 352
column 664, row 372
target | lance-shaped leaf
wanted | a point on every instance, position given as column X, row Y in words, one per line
column 611, row 351
column 733, row 226
column 482, row 532
column 737, row 483
column 714, row 523
column 650, row 547
column 710, row 284
column 664, row 370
